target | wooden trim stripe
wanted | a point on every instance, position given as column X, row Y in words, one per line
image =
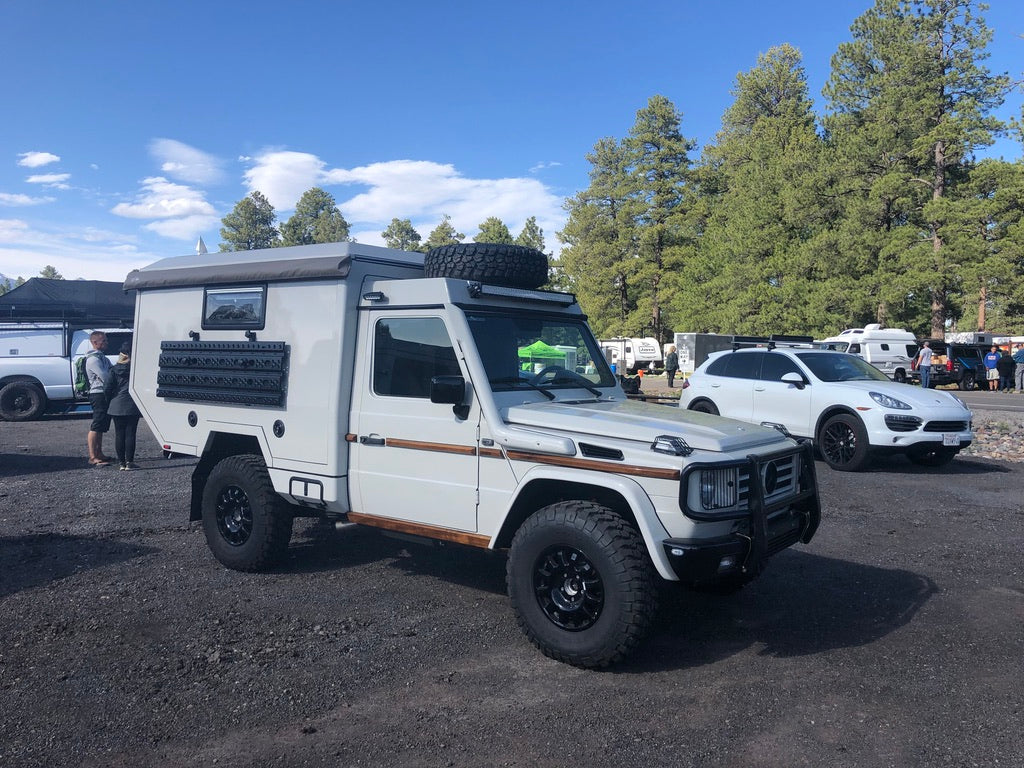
column 419, row 529
column 417, row 445
column 492, row 453
column 350, row 438
column 597, row 466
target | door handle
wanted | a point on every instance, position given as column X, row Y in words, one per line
column 371, row 440
column 759, row 389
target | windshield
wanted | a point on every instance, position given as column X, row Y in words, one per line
column 528, row 352
column 839, row 366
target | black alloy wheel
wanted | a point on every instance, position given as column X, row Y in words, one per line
column 234, row 515
column 843, row 443
column 568, row 587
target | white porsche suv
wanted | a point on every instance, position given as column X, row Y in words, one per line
column 849, row 408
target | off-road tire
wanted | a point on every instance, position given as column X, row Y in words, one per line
column 705, row 406
column 931, row 454
column 581, row 584
column 21, row 401
column 247, row 525
column 843, row 443
column 513, row 266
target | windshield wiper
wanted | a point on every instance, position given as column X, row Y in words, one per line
column 527, row 382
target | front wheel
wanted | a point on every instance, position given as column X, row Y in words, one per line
column 21, row 401
column 931, row 454
column 580, row 583
column 843, row 443
column 247, row 525
column 705, row 406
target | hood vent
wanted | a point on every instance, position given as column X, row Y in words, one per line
column 600, row 452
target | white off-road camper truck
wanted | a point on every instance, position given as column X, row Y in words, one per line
column 399, row 391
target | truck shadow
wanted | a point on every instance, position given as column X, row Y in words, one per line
column 35, row 560
column 318, row 548
column 961, row 465
column 838, row 604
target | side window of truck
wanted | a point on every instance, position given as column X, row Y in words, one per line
column 408, row 352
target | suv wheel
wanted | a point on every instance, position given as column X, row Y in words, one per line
column 247, row 525
column 510, row 265
column 843, row 443
column 705, row 406
column 580, row 583
column 967, row 381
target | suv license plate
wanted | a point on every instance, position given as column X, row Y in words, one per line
column 950, row 438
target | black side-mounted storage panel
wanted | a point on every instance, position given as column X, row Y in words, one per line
column 238, row 372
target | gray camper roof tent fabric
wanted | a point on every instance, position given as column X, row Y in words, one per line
column 93, row 302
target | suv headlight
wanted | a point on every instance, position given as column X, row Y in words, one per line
column 887, row 401
column 718, row 488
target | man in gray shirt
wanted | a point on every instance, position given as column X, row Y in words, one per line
column 96, row 367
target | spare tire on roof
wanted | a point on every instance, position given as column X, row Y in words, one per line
column 514, row 266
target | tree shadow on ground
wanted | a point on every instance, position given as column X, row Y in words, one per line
column 35, row 560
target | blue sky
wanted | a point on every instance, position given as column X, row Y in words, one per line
column 131, row 128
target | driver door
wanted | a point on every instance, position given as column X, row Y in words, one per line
column 411, row 459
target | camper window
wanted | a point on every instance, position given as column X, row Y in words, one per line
column 235, row 308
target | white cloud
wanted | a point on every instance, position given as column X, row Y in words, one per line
column 179, row 211
column 25, row 250
column 282, row 176
column 186, row 163
column 12, row 199
column 419, row 190
column 541, row 166
column 37, row 159
column 55, row 180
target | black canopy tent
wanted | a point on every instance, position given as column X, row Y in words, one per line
column 91, row 302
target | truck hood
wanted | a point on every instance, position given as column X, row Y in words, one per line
column 630, row 420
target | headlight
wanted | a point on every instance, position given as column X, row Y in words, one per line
column 718, row 488
column 886, row 401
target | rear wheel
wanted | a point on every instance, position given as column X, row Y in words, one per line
column 705, row 406
column 247, row 525
column 967, row 381
column 580, row 583
column 931, row 454
column 900, row 376
column 21, row 401
column 843, row 443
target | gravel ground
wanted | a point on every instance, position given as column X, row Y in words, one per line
column 892, row 639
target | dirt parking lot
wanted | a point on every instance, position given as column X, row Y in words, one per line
column 893, row 639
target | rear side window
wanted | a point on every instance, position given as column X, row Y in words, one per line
column 242, row 307
column 738, row 365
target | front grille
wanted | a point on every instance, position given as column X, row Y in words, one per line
column 946, row 426
column 901, row 423
column 780, row 477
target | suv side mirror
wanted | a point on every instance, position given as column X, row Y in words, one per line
column 795, row 379
column 447, row 389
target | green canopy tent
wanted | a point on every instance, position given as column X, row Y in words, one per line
column 539, row 352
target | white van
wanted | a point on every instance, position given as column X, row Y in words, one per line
column 890, row 350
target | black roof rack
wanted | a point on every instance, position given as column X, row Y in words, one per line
column 773, row 341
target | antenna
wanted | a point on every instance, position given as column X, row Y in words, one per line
column 201, row 247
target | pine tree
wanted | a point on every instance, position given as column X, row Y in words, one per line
column 493, row 230
column 443, row 234
column 911, row 102
column 532, row 235
column 316, row 220
column 250, row 225
column 401, row 235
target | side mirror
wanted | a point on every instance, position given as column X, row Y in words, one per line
column 449, row 390
column 795, row 379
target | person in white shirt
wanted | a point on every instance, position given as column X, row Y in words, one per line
column 924, row 364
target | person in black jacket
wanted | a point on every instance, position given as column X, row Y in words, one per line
column 122, row 408
column 1005, row 366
